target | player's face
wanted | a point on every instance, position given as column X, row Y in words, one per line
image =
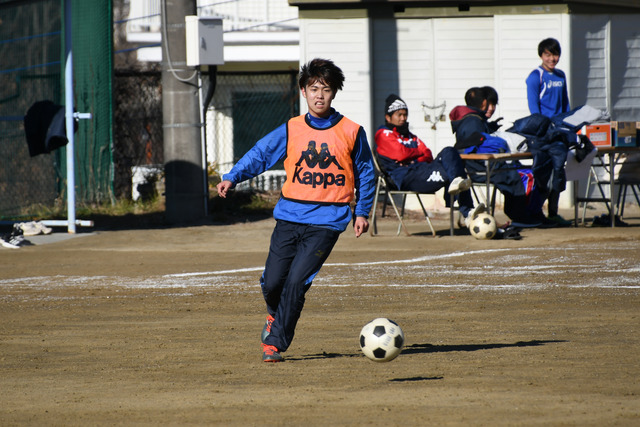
column 398, row 117
column 549, row 60
column 491, row 108
column 319, row 97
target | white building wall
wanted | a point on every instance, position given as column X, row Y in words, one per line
column 403, row 65
column 590, row 79
column 516, row 47
column 463, row 58
column 430, row 63
column 625, row 67
column 345, row 42
column 606, row 69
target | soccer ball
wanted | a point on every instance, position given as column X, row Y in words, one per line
column 381, row 340
column 483, row 227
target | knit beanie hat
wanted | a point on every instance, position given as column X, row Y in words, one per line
column 394, row 103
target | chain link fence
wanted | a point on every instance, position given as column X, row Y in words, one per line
column 244, row 107
column 247, row 106
column 30, row 40
column 32, row 71
column 138, row 139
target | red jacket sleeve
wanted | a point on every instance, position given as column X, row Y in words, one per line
column 400, row 148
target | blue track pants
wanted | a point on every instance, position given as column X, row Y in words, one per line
column 296, row 253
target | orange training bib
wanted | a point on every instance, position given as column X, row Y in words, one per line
column 318, row 164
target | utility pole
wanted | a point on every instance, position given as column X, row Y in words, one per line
column 185, row 190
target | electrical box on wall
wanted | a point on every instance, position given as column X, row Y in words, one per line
column 205, row 45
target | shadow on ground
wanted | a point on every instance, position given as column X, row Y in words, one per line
column 431, row 348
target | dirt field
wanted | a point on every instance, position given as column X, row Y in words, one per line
column 161, row 326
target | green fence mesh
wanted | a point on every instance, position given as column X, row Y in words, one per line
column 30, row 45
column 32, row 48
column 92, row 61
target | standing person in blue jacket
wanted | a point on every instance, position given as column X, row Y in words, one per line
column 314, row 207
column 547, row 94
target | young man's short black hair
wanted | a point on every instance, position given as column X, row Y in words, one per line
column 490, row 94
column 552, row 45
column 474, row 97
column 323, row 70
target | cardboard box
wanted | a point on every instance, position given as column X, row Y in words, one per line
column 599, row 134
column 625, row 134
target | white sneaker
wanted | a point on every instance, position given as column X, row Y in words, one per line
column 28, row 228
column 474, row 213
column 43, row 228
column 33, row 228
column 458, row 185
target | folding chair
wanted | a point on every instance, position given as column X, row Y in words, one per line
column 387, row 189
column 622, row 194
column 628, row 178
column 577, row 171
column 490, row 203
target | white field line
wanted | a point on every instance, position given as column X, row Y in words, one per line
column 418, row 272
column 355, row 264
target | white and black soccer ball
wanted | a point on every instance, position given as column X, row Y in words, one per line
column 381, row 340
column 483, row 227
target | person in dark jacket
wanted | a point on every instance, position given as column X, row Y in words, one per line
column 472, row 128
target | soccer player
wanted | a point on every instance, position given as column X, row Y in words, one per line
column 314, row 207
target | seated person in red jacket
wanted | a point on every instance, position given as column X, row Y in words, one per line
column 411, row 166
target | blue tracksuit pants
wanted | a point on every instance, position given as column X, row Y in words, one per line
column 446, row 166
column 548, row 166
column 296, row 253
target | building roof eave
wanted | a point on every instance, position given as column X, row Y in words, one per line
column 328, row 4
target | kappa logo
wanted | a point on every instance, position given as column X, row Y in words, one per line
column 320, row 160
column 435, row 177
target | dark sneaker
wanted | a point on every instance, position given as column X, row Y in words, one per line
column 271, row 354
column 10, row 241
column 561, row 222
column 527, row 224
column 548, row 223
column 267, row 328
column 604, row 220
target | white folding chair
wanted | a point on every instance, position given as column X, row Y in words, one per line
column 386, row 190
column 576, row 171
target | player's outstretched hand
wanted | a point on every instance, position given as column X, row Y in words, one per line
column 360, row 225
column 223, row 188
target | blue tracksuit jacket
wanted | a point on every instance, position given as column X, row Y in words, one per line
column 273, row 147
